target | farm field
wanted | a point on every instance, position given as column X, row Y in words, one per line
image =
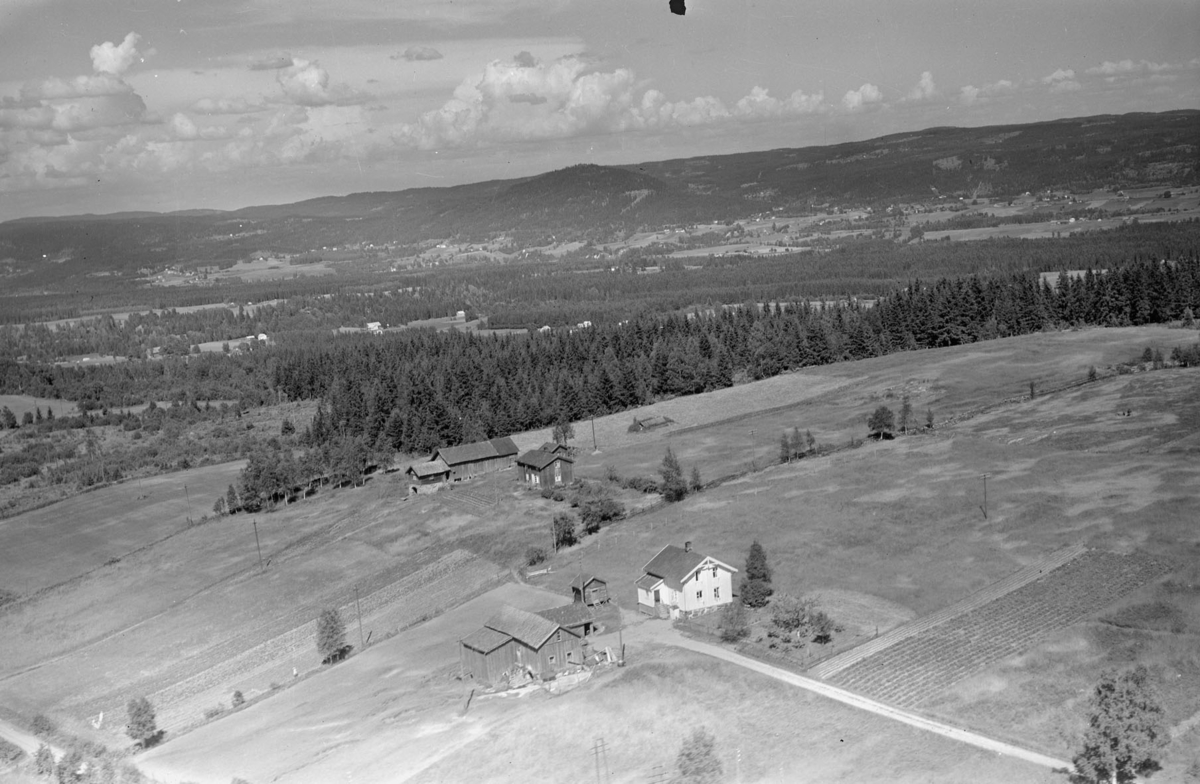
column 19, row 404
column 882, row 533
column 393, row 715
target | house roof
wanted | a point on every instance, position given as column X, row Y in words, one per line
column 538, row 459
column 533, row 630
column 674, row 565
column 568, row 615
column 485, row 640
column 647, row 582
column 480, row 450
column 429, row 468
column 554, row 446
column 583, row 580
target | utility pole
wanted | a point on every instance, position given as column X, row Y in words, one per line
column 358, row 607
column 594, row 447
column 257, row 544
column 189, row 504
column 984, row 507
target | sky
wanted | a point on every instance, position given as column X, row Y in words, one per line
column 114, row 105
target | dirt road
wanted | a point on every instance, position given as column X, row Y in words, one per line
column 28, row 743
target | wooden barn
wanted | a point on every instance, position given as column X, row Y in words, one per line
column 575, row 618
column 482, row 457
column 590, row 590
column 545, row 469
column 428, row 476
column 513, row 639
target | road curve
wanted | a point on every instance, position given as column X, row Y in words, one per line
column 879, row 708
column 28, row 743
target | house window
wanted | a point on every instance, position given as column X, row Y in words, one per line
column 552, row 659
column 557, row 473
column 717, row 592
column 699, row 594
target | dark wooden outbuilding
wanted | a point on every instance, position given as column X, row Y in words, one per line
column 543, row 469
column 515, row 639
column 482, row 457
column 428, row 475
column 590, row 590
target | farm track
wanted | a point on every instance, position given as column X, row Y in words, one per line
column 400, row 595
column 990, row 593
column 917, row 667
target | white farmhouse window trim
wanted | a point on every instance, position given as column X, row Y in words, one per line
column 717, row 592
column 700, row 594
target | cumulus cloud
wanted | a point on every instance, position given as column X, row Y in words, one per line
column 115, row 58
column 1061, row 81
column 418, row 53
column 1109, row 68
column 925, row 88
column 272, row 62
column 970, row 94
column 306, row 83
column 857, row 99
column 527, row 100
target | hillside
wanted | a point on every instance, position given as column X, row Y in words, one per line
column 602, row 203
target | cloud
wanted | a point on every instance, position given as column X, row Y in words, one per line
column 271, row 62
column 925, row 88
column 113, row 58
column 418, row 53
column 857, row 99
column 970, row 95
column 306, row 83
column 226, row 106
column 524, row 99
column 1109, row 68
column 1061, row 81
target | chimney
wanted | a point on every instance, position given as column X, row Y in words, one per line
column 687, row 547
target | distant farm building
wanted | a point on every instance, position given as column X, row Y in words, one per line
column 543, row 469
column 374, row 327
column 555, row 448
column 680, row 581
column 590, row 590
column 650, row 423
column 482, row 457
column 429, row 476
column 513, row 640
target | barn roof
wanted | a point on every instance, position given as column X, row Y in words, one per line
column 533, row 630
column 583, row 580
column 553, row 447
column 485, row 640
column 538, row 459
column 674, row 564
column 429, row 468
column 480, row 450
column 568, row 615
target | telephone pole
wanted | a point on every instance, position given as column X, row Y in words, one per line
column 594, row 447
column 984, row 507
column 189, row 504
column 257, row 544
column 358, row 608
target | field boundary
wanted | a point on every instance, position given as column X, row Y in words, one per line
column 1043, row 566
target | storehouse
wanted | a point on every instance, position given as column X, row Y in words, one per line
column 590, row 590
column 575, row 618
column 544, row 469
column 428, row 476
column 482, row 457
column 679, row 581
column 515, row 640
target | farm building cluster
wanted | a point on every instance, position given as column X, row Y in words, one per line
column 550, row 465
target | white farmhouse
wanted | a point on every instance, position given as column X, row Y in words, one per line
column 679, row 582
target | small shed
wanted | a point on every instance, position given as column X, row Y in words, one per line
column 555, row 448
column 428, row 476
column 543, row 469
column 590, row 590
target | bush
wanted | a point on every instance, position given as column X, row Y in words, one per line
column 238, row 699
column 42, row 726
column 43, row 761
column 214, row 712
column 733, row 624
column 564, row 530
column 10, row 752
column 597, row 511
column 534, row 556
column 755, row 593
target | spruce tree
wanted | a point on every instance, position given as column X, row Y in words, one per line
column 331, row 635
column 673, row 487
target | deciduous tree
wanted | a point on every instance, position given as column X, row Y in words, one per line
column 142, row 725
column 1125, row 729
column 882, row 422
column 697, row 761
column 564, row 530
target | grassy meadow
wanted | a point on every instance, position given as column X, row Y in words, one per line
column 881, row 533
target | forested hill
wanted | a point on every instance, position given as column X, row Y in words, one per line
column 601, row 203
